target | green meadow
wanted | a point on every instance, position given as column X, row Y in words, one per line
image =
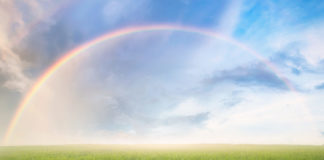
column 170, row 152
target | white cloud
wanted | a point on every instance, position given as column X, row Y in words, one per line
column 120, row 10
column 313, row 50
column 215, row 52
column 305, row 46
column 230, row 17
column 307, row 40
column 276, row 119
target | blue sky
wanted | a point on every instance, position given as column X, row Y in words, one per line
column 164, row 86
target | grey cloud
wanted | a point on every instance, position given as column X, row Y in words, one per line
column 294, row 61
column 11, row 66
column 232, row 101
column 291, row 57
column 320, row 86
column 17, row 20
column 254, row 75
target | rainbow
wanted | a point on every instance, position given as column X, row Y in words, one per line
column 119, row 33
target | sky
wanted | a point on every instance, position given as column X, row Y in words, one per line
column 165, row 86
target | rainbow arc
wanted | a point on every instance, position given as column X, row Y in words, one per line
column 119, row 33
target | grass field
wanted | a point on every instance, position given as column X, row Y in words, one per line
column 143, row 152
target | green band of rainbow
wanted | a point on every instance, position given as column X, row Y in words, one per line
column 118, row 33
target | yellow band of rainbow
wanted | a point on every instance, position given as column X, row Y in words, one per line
column 118, row 33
